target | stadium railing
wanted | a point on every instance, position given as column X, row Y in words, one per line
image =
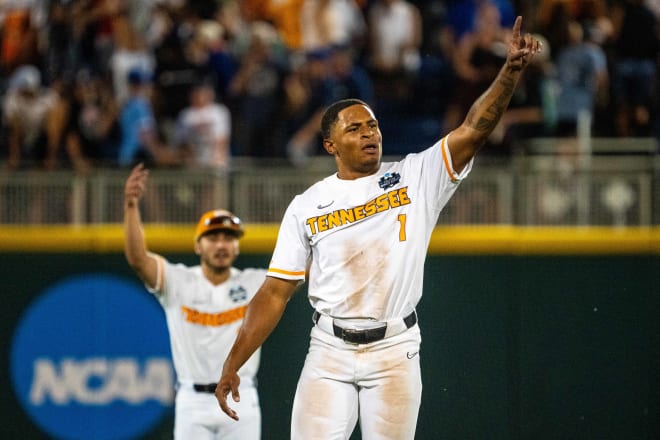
column 553, row 183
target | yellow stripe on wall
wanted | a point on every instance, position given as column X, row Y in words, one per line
column 514, row 240
column 260, row 239
column 110, row 238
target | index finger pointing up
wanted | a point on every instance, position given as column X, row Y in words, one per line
column 516, row 27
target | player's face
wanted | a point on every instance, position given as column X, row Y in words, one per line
column 217, row 250
column 356, row 142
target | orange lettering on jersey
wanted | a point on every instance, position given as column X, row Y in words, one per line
column 370, row 208
column 311, row 222
column 393, row 197
column 334, row 220
column 359, row 212
column 403, row 196
column 322, row 223
column 346, row 216
column 213, row 319
column 381, row 202
column 340, row 217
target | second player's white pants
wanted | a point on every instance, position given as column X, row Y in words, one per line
column 198, row 416
column 380, row 382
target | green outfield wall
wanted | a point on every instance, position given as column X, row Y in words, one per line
column 526, row 333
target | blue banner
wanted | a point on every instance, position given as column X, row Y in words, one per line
column 90, row 359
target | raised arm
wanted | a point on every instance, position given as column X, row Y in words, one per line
column 135, row 248
column 487, row 110
column 262, row 315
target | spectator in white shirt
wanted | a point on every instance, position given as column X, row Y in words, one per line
column 31, row 121
column 204, row 130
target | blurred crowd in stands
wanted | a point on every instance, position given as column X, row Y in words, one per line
column 184, row 83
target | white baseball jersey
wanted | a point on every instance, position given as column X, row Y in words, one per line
column 366, row 239
column 203, row 319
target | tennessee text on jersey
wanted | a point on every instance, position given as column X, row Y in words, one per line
column 391, row 199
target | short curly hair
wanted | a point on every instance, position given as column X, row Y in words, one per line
column 330, row 115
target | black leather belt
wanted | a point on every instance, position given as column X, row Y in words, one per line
column 365, row 336
column 205, row 388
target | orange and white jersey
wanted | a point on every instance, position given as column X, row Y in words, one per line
column 203, row 319
column 365, row 240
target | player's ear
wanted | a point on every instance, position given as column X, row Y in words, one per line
column 198, row 249
column 329, row 146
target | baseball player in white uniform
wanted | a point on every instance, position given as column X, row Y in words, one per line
column 204, row 306
column 361, row 236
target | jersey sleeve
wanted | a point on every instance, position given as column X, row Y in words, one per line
column 448, row 168
column 292, row 249
column 157, row 290
column 437, row 180
column 170, row 277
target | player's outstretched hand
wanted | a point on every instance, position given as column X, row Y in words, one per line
column 228, row 383
column 522, row 48
column 136, row 184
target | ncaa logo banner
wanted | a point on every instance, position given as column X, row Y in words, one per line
column 90, row 359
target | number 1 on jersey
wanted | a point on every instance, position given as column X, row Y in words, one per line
column 402, row 228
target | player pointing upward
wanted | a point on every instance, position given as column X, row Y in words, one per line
column 204, row 306
column 363, row 232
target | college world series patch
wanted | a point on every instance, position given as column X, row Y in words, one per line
column 389, row 180
column 238, row 293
